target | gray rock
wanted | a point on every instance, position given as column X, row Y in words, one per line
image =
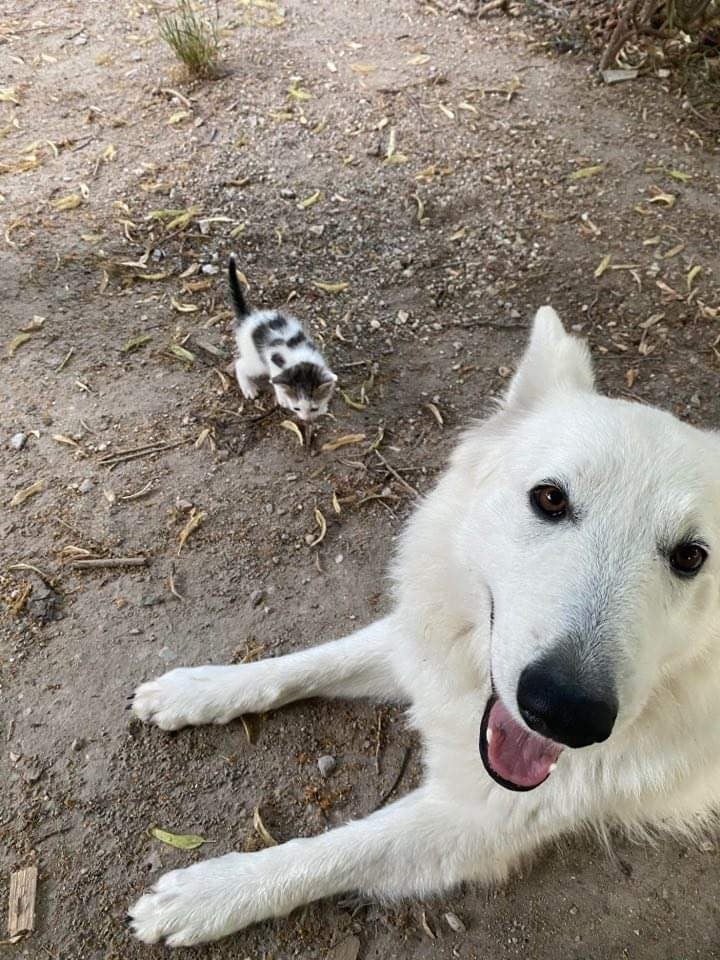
column 86, row 486
column 326, row 765
column 18, row 441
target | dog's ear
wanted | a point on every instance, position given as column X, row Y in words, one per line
column 553, row 360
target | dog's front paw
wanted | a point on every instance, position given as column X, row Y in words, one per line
column 185, row 697
column 201, row 903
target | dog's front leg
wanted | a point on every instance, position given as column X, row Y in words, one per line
column 359, row 665
column 414, row 847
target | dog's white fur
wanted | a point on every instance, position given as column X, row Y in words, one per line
column 643, row 478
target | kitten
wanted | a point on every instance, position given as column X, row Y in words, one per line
column 272, row 344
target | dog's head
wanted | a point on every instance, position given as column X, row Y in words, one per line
column 595, row 524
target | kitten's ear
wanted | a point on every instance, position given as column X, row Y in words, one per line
column 329, row 377
column 327, row 386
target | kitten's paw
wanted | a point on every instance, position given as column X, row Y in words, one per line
column 249, row 390
column 201, row 903
column 186, row 697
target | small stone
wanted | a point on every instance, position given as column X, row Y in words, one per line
column 455, row 923
column 184, row 505
column 77, row 745
column 287, row 194
column 210, row 269
column 167, row 655
column 339, row 558
column 317, row 230
column 375, row 324
column 326, row 765
column 18, row 441
column 134, row 632
column 256, row 597
column 86, row 486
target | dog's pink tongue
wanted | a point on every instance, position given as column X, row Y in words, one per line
column 515, row 754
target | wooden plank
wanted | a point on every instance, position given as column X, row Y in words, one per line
column 21, row 908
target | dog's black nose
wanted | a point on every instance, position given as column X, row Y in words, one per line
column 564, row 711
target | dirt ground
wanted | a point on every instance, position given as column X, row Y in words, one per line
column 427, row 162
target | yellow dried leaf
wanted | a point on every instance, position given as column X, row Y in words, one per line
column 196, row 519
column 183, row 307
column 134, row 343
column 602, row 266
column 262, row 830
column 330, row 287
column 17, row 342
column 585, row 172
column 296, row 92
column 181, row 353
column 335, row 503
column 71, row 202
column 447, row 111
column 294, row 429
column 343, row 441
column 659, row 196
column 363, row 68
column 322, row 524
column 178, row 117
column 350, row 402
column 418, row 60
column 310, row 201
column 22, row 495
column 37, row 323
column 679, row 175
column 183, row 841
column 692, row 274
column 435, row 412
column 8, row 95
column 109, row 153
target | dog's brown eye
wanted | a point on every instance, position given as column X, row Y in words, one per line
column 687, row 558
column 550, row 501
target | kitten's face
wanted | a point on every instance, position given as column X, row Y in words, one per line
column 305, row 407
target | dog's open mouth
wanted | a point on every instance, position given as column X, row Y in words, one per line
column 514, row 757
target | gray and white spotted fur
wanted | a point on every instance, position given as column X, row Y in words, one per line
column 273, row 345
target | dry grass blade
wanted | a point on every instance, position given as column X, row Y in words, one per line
column 196, row 519
column 193, row 39
column 22, row 495
column 108, row 563
column 17, row 342
column 262, row 831
column 435, row 412
column 322, row 524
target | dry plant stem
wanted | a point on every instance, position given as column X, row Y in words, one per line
column 107, row 563
column 393, row 471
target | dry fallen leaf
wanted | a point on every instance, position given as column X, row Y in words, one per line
column 262, row 830
column 36, row 323
column 585, row 172
column 134, row 343
column 455, row 923
column 22, row 495
column 692, row 274
column 335, row 503
column 181, row 353
column 418, row 60
column 330, row 287
column 679, row 175
column 310, row 201
column 294, row 429
column 183, row 841
column 659, row 196
column 363, row 68
column 71, row 202
column 17, row 342
column 435, row 412
column 8, row 95
column 196, row 518
column 178, row 117
column 183, row 307
column 343, row 441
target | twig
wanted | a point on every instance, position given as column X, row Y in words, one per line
column 378, row 742
column 393, row 471
column 140, row 493
column 108, row 563
column 113, row 459
column 396, row 782
column 174, row 93
column 70, row 352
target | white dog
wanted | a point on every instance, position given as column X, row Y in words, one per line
column 556, row 631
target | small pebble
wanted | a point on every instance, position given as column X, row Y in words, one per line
column 77, row 745
column 18, row 441
column 86, row 486
column 167, row 655
column 210, row 269
column 326, row 765
column 256, row 597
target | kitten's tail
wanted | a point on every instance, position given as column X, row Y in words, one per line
column 238, row 297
